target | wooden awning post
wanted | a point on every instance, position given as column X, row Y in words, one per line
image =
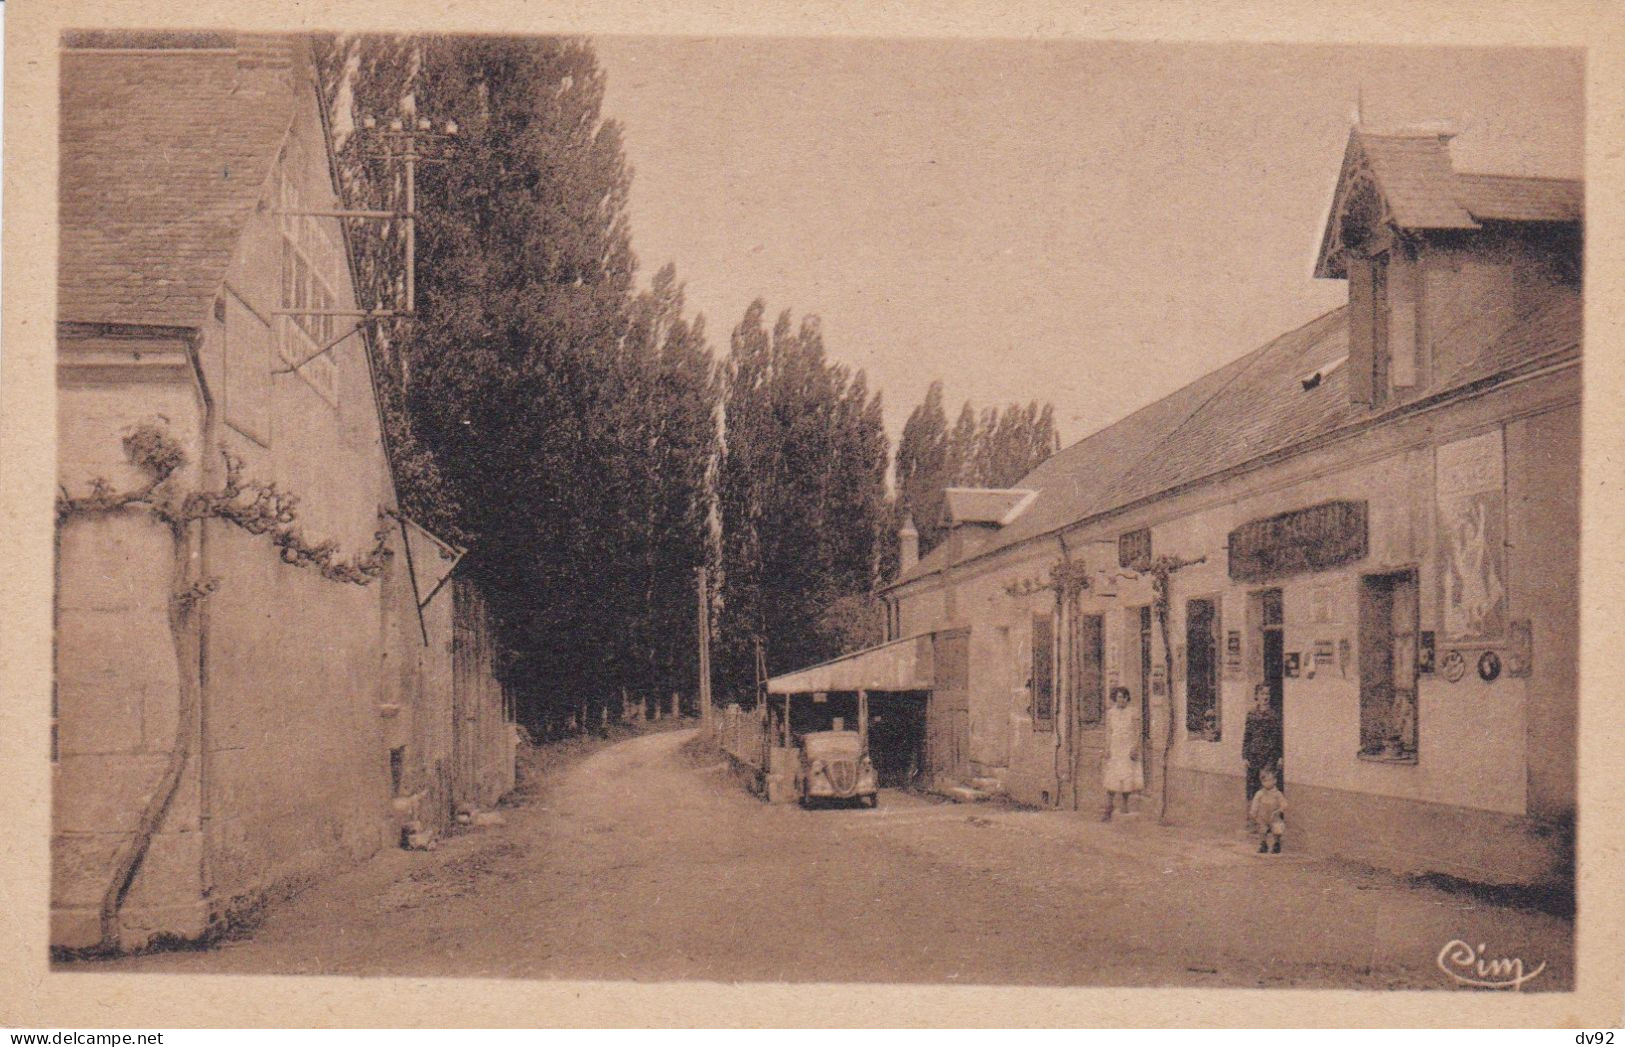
column 863, row 720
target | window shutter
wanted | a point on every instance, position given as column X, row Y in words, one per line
column 1362, row 331
column 1402, row 321
column 1043, row 669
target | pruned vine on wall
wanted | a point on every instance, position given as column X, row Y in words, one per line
column 1069, row 579
column 255, row 507
column 1161, row 570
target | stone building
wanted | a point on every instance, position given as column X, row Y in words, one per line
column 1375, row 516
column 234, row 710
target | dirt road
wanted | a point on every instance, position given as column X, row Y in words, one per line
column 636, row 864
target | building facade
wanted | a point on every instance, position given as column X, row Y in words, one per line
column 1374, row 517
column 251, row 689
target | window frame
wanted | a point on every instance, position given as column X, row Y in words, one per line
column 1371, row 690
column 304, row 282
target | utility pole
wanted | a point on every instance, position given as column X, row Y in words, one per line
column 402, row 140
column 705, row 648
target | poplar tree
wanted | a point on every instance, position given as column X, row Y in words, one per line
column 801, row 486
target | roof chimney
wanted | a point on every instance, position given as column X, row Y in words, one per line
column 908, row 544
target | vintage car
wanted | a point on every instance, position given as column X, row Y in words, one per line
column 835, row 766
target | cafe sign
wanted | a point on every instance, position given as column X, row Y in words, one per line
column 1314, row 539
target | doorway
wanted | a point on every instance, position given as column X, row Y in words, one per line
column 1272, row 642
column 1269, row 640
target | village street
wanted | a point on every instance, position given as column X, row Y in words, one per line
column 645, row 860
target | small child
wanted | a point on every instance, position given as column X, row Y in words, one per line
column 1268, row 813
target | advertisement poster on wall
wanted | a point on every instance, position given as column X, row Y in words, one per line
column 1471, row 500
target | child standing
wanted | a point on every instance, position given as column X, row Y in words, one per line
column 1268, row 813
column 1123, row 774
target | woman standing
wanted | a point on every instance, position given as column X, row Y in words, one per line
column 1123, row 773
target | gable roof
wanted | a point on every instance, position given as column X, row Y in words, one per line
column 1254, row 407
column 1421, row 190
column 164, row 155
column 1072, row 483
column 1416, row 178
column 1263, row 409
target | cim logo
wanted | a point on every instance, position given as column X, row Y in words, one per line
column 1465, row 965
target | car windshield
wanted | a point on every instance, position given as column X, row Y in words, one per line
column 825, row 744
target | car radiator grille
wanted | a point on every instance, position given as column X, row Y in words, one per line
column 843, row 775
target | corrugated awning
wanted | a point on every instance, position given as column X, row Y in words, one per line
column 901, row 665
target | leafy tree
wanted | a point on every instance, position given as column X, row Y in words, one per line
column 991, row 449
column 923, row 468
column 801, row 487
column 517, row 385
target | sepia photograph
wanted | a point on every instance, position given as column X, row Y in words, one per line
column 878, row 510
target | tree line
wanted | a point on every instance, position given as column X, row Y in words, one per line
column 580, row 435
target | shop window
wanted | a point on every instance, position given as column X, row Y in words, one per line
column 1388, row 671
column 1202, row 669
column 1043, row 672
column 1086, row 666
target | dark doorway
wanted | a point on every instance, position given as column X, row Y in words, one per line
column 1269, row 636
column 1273, row 641
column 897, row 736
column 1145, row 678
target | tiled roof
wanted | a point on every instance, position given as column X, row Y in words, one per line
column 1416, row 178
column 1243, row 411
column 1072, row 483
column 1263, row 409
column 163, row 157
column 981, row 504
column 1513, row 199
column 1550, row 329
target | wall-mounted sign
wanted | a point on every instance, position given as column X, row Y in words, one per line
column 1314, row 539
column 1290, row 663
column 1489, row 666
column 1520, row 656
column 1134, row 549
column 1324, row 652
column 1426, row 654
column 1454, row 666
column 1470, row 495
column 1233, row 665
column 1320, row 603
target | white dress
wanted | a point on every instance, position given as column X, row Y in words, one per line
column 1122, row 775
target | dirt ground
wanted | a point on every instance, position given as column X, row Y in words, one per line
column 639, row 860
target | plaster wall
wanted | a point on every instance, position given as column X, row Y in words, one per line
column 1504, row 747
column 116, row 696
